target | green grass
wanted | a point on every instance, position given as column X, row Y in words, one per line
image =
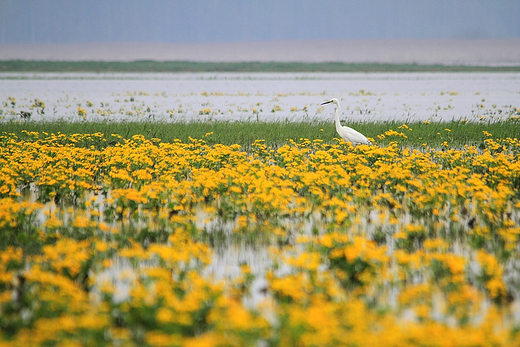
column 184, row 66
column 455, row 133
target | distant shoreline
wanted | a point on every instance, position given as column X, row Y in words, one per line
column 428, row 52
column 185, row 66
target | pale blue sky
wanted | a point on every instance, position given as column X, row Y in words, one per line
column 204, row 21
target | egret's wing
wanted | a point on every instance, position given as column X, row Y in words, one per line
column 355, row 136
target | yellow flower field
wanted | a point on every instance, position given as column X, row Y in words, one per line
column 366, row 246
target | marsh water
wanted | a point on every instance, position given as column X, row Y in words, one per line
column 76, row 97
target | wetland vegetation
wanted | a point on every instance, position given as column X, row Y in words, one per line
column 222, row 232
column 454, row 134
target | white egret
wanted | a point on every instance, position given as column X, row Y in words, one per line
column 346, row 133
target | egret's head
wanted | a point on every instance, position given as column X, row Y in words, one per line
column 333, row 101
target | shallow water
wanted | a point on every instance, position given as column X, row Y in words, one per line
column 258, row 96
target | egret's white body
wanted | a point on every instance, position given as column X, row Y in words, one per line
column 346, row 133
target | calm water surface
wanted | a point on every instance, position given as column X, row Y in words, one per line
column 263, row 96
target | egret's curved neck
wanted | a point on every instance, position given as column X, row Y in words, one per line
column 338, row 124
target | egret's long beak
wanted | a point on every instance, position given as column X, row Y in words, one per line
column 326, row 102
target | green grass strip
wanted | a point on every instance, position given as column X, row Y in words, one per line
column 185, row 66
column 434, row 134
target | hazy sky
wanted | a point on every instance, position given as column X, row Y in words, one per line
column 204, row 21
